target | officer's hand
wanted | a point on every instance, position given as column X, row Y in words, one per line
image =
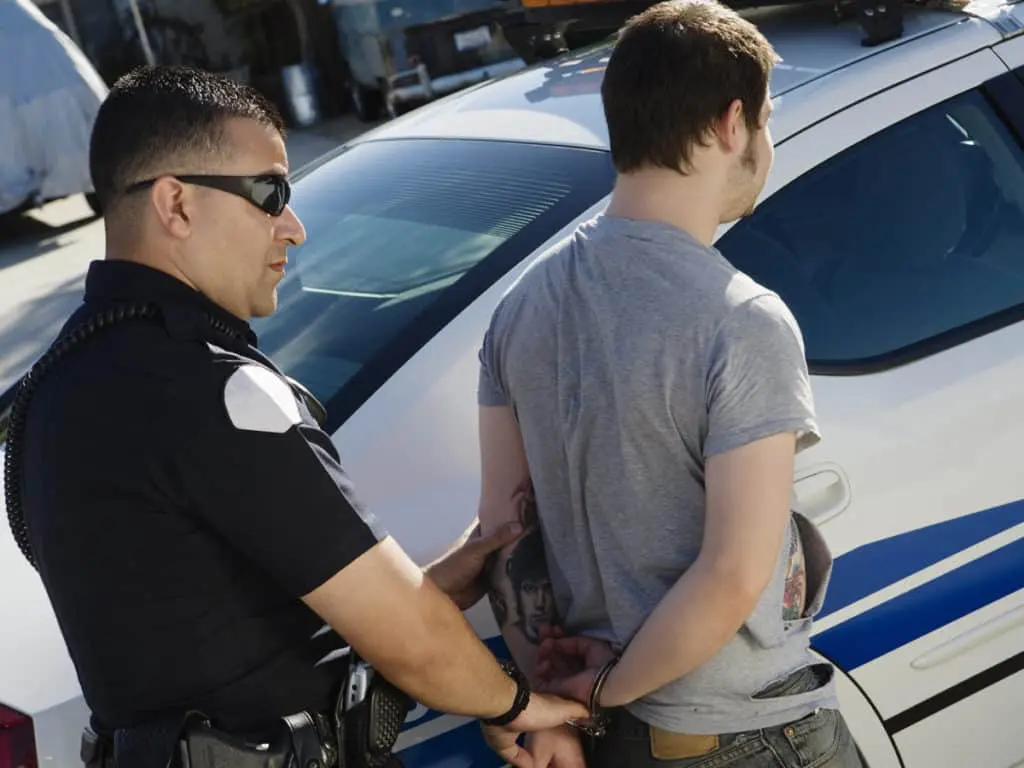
column 543, row 713
column 503, row 742
column 460, row 573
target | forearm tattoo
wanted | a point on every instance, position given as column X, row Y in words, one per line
column 521, row 593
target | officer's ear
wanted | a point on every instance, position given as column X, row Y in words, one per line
column 171, row 200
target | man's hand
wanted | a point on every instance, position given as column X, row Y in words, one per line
column 557, row 748
column 567, row 666
column 503, row 742
column 543, row 713
column 459, row 574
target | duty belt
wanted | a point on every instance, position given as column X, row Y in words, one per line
column 360, row 732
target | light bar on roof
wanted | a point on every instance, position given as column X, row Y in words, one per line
column 552, row 3
column 881, row 20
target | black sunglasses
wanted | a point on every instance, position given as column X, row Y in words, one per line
column 268, row 192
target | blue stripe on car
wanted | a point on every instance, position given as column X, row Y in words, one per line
column 461, row 747
column 867, row 569
column 924, row 609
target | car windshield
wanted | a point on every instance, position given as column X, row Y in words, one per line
column 403, row 235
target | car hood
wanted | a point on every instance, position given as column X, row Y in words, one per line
column 36, row 672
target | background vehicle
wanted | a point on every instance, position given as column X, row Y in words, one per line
column 892, row 223
column 401, row 55
column 49, row 96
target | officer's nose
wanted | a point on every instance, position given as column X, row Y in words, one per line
column 289, row 227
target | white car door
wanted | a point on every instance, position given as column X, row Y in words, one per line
column 895, row 231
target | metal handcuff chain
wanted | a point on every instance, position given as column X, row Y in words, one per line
column 59, row 350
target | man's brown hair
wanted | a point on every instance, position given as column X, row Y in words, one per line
column 675, row 69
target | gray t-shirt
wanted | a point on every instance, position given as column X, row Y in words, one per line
column 630, row 353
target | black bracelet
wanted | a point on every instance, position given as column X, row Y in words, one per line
column 521, row 700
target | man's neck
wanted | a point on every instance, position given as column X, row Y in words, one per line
column 163, row 265
column 664, row 196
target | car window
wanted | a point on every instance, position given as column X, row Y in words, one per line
column 403, row 235
column 907, row 242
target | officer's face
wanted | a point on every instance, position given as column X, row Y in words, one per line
column 238, row 252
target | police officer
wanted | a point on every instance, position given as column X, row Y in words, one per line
column 191, row 523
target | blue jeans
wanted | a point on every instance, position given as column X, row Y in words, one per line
column 819, row 740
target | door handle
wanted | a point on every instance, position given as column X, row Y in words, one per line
column 821, row 491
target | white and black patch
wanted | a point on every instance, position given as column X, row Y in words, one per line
column 258, row 400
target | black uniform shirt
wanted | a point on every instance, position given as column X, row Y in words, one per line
column 180, row 499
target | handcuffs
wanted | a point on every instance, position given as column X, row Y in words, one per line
column 594, row 726
column 597, row 724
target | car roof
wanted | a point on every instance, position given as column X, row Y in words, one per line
column 558, row 102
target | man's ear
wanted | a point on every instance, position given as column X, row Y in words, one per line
column 731, row 128
column 170, row 200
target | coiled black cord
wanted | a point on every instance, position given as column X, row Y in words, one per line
column 60, row 349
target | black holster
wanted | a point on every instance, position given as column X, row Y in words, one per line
column 360, row 732
column 368, row 716
column 303, row 741
column 96, row 751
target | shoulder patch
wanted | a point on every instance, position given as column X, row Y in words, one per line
column 258, row 400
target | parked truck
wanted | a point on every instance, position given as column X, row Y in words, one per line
column 401, row 54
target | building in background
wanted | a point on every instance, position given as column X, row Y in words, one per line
column 263, row 42
column 313, row 58
column 402, row 53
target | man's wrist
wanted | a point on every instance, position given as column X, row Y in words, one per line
column 521, row 698
column 609, row 695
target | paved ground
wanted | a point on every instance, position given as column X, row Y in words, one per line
column 44, row 255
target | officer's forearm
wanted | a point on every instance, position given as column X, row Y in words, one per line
column 442, row 663
column 400, row 622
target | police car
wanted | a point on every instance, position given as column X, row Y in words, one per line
column 892, row 224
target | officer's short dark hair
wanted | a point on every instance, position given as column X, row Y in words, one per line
column 156, row 117
column 676, row 67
